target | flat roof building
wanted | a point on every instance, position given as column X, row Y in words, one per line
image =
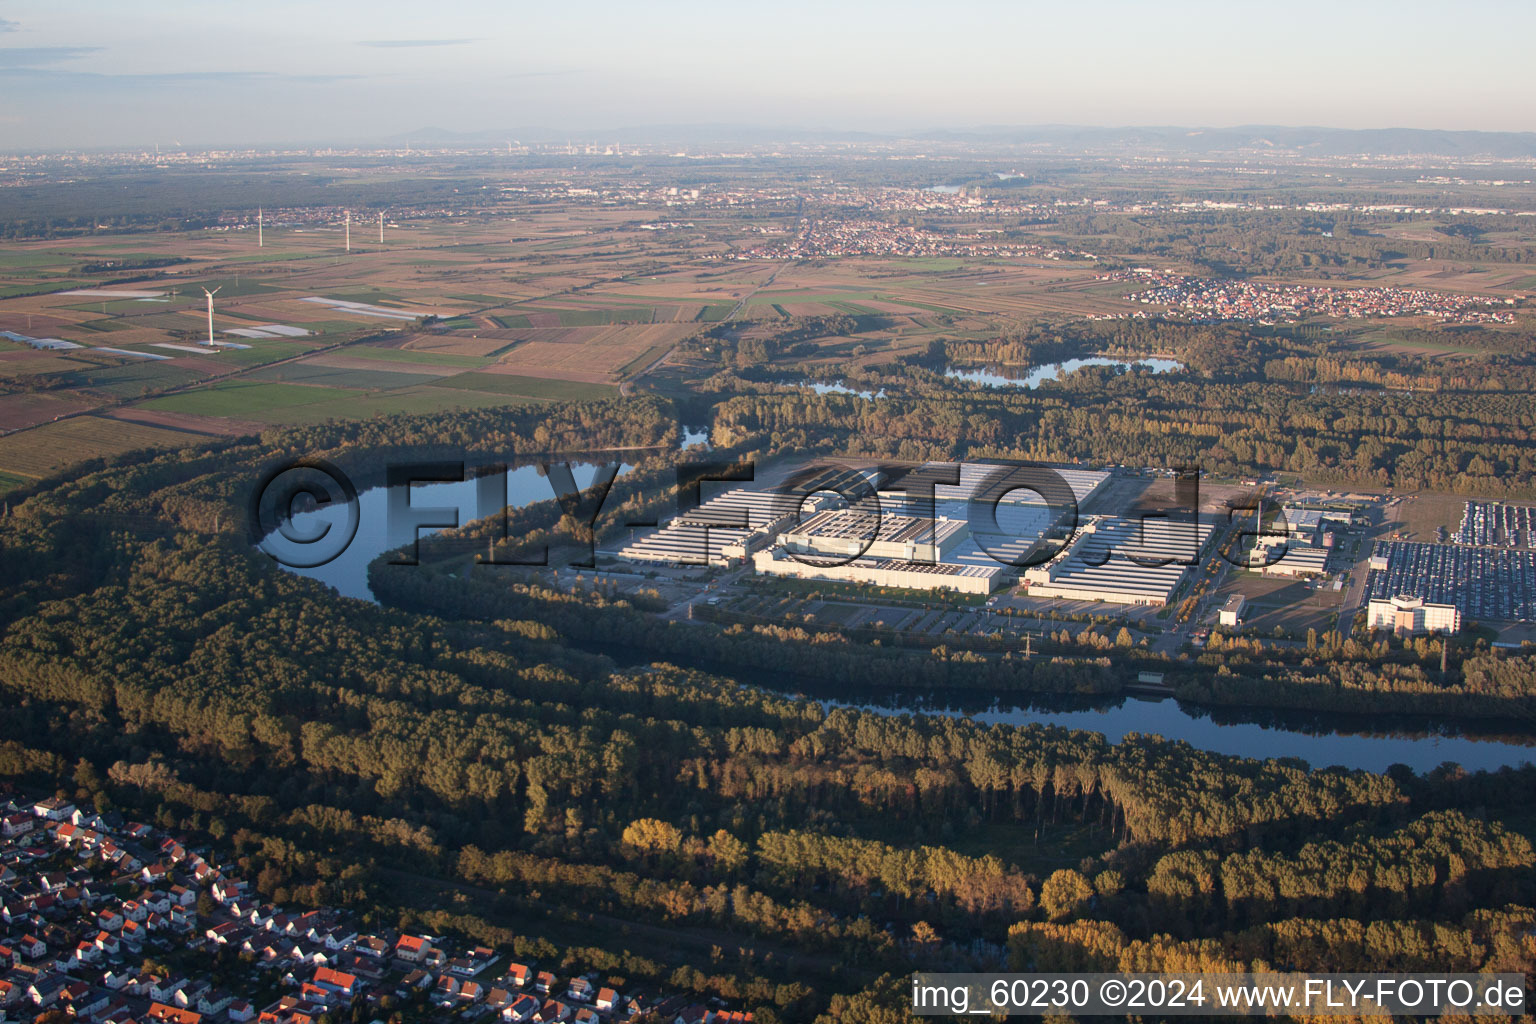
column 725, row 527
column 1300, row 522
column 1412, row 616
column 1298, row 560
column 1121, row 561
column 885, row 572
column 840, row 533
column 1231, row 612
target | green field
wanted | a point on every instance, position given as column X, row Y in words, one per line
column 527, row 387
column 127, row 380
column 335, row 377
column 361, row 405
column 43, row 450
column 606, row 317
column 10, row 481
column 489, row 300
column 247, row 399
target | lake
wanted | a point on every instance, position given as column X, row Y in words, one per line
column 466, row 500
column 1037, row 375
column 837, row 387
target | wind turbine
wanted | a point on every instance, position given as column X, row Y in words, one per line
column 381, row 227
column 210, row 295
column 260, row 242
column 349, row 231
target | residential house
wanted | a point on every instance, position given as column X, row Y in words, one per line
column 163, row 990
column 554, row 1012
column 522, row 1009
column 411, row 948
column 53, row 809
column 341, row 983
column 172, row 1014
column 45, row 988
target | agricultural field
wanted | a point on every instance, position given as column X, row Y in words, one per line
column 34, row 454
column 508, row 288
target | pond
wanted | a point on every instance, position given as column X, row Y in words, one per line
column 836, row 387
column 1036, row 375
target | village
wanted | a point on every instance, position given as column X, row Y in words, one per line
column 1201, row 300
column 92, row 907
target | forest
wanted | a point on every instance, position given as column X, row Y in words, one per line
column 1247, row 401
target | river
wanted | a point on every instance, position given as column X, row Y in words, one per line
column 378, row 531
column 1349, row 741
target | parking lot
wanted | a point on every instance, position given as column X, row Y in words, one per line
column 1488, row 523
column 1483, row 582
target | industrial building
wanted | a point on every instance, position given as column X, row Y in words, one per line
column 1301, row 523
column 1412, row 616
column 1298, row 559
column 1121, row 561
column 723, row 530
column 851, row 546
column 885, row 572
column 840, row 533
column 909, row 544
column 1232, row 612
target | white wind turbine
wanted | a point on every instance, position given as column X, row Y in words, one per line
column 210, row 295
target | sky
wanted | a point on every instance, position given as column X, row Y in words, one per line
column 85, row 73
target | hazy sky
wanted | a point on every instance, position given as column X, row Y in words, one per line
column 110, row 72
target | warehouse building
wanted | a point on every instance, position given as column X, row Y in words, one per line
column 886, row 572
column 723, row 530
column 841, row 533
column 1300, row 523
column 1121, row 561
column 1412, row 616
column 852, row 546
column 731, row 528
column 1298, row 560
